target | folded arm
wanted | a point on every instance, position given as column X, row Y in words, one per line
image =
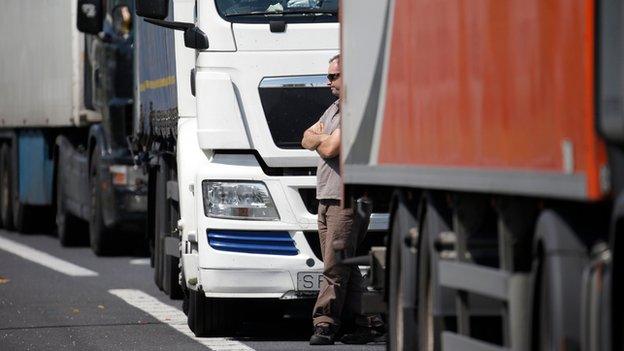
column 330, row 145
column 313, row 137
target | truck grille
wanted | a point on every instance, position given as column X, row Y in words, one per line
column 312, row 237
column 309, row 200
column 293, row 104
column 261, row 242
column 370, row 239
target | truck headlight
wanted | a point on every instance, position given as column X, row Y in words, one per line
column 128, row 176
column 238, row 200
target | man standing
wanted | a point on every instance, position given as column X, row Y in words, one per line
column 341, row 288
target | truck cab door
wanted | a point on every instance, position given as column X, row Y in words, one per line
column 113, row 51
column 113, row 71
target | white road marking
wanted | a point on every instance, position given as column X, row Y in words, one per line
column 45, row 259
column 140, row 261
column 174, row 318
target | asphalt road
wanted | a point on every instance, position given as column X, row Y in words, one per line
column 84, row 302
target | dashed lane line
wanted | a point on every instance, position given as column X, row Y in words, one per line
column 174, row 318
column 45, row 259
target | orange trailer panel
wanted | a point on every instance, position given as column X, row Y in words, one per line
column 493, row 85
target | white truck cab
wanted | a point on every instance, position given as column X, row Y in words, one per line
column 247, row 204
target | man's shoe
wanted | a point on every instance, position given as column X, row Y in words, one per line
column 323, row 334
column 363, row 335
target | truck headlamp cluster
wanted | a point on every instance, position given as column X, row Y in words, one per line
column 238, row 200
column 128, row 176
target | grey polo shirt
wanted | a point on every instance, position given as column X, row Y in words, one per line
column 328, row 181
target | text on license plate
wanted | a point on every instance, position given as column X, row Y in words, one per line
column 309, row 281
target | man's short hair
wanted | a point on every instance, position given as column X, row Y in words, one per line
column 335, row 58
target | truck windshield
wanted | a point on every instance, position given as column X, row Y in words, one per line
column 263, row 11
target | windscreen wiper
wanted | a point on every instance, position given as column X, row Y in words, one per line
column 282, row 13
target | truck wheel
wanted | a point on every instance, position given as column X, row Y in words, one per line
column 402, row 314
column 159, row 219
column 151, row 210
column 211, row 317
column 20, row 216
column 166, row 273
column 549, row 329
column 21, row 211
column 6, row 208
column 67, row 226
column 185, row 297
column 558, row 271
column 196, row 316
column 617, row 286
column 429, row 327
column 100, row 237
column 171, row 269
column 171, row 277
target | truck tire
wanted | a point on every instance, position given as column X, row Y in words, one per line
column 21, row 211
column 185, row 297
column 559, row 263
column 151, row 210
column 6, row 190
column 159, row 219
column 171, row 269
column 211, row 317
column 402, row 291
column 67, row 226
column 166, row 272
column 20, row 216
column 430, row 327
column 171, row 277
column 617, row 285
column 100, row 237
column 64, row 221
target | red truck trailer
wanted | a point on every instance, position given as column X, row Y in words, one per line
column 498, row 128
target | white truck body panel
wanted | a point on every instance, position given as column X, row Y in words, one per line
column 246, row 70
column 221, row 123
column 183, row 11
column 219, row 30
column 41, row 58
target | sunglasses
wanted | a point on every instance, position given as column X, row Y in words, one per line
column 333, row 76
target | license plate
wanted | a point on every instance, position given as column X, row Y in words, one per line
column 309, row 281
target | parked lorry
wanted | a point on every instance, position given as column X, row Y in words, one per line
column 65, row 111
column 224, row 101
column 498, row 126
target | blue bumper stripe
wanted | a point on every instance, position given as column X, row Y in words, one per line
column 260, row 242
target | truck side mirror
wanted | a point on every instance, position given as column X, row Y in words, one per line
column 90, row 16
column 156, row 9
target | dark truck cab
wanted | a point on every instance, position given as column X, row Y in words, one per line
column 98, row 177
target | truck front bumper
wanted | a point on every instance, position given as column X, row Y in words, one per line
column 255, row 271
